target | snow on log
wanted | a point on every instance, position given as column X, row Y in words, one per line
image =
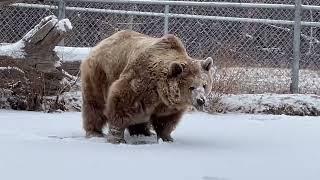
column 37, row 46
column 31, row 69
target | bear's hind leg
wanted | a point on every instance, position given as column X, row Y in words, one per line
column 93, row 119
column 164, row 125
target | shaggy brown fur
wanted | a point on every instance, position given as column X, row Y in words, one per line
column 130, row 78
column 165, row 119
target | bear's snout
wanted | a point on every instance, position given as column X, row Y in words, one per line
column 201, row 101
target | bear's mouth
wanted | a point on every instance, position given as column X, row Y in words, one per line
column 200, row 107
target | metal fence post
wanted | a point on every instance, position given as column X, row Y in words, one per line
column 61, row 15
column 131, row 17
column 294, row 87
column 166, row 19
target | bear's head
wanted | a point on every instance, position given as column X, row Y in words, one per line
column 184, row 80
column 202, row 84
column 187, row 83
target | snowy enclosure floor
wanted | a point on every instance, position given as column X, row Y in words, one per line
column 207, row 147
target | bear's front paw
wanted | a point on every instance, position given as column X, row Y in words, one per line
column 115, row 135
column 115, row 140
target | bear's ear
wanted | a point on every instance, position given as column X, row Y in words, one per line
column 207, row 64
column 171, row 41
column 175, row 70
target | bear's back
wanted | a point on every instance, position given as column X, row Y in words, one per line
column 114, row 53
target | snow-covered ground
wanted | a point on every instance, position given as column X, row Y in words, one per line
column 290, row 104
column 207, row 147
column 67, row 54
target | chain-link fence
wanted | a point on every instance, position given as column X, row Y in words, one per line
column 252, row 41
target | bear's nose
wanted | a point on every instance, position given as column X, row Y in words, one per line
column 200, row 101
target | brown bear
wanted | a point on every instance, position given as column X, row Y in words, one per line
column 164, row 119
column 130, row 79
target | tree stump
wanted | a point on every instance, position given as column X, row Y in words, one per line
column 30, row 68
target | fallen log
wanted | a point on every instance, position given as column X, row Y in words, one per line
column 30, row 68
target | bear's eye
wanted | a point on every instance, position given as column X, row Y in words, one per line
column 205, row 86
column 191, row 88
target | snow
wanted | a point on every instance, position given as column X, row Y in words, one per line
column 274, row 99
column 207, row 147
column 49, row 20
column 64, row 25
column 70, row 54
column 14, row 50
column 263, row 102
column 9, row 67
